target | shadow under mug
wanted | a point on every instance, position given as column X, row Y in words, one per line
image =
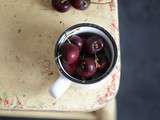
column 65, row 80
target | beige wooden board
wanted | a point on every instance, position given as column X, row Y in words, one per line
column 28, row 32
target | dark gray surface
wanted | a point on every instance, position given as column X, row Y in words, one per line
column 139, row 96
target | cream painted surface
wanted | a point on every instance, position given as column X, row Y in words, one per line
column 28, row 32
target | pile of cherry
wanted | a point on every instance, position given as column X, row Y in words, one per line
column 85, row 58
column 64, row 5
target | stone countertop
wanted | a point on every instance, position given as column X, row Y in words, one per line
column 28, row 32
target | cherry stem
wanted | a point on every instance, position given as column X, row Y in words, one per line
column 68, row 41
column 96, row 61
column 67, row 38
column 62, row 1
column 83, row 57
column 96, row 58
column 58, row 56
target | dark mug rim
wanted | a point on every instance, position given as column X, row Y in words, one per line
column 107, row 71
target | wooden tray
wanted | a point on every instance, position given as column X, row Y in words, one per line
column 28, row 32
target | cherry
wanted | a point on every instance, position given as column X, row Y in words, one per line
column 87, row 68
column 75, row 39
column 70, row 53
column 70, row 68
column 93, row 44
column 61, row 5
column 80, row 4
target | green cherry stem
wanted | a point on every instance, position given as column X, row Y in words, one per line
column 67, row 38
column 58, row 56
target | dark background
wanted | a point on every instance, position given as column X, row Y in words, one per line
column 139, row 95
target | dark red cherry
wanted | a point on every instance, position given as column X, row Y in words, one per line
column 70, row 53
column 75, row 39
column 80, row 4
column 93, row 45
column 87, row 68
column 70, row 68
column 61, row 5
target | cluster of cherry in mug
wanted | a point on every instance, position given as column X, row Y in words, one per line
column 84, row 57
column 64, row 5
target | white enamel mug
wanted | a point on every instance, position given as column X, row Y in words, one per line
column 65, row 80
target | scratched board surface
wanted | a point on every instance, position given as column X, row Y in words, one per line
column 28, row 32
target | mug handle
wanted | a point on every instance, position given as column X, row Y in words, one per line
column 58, row 88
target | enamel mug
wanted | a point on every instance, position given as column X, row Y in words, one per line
column 65, row 80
